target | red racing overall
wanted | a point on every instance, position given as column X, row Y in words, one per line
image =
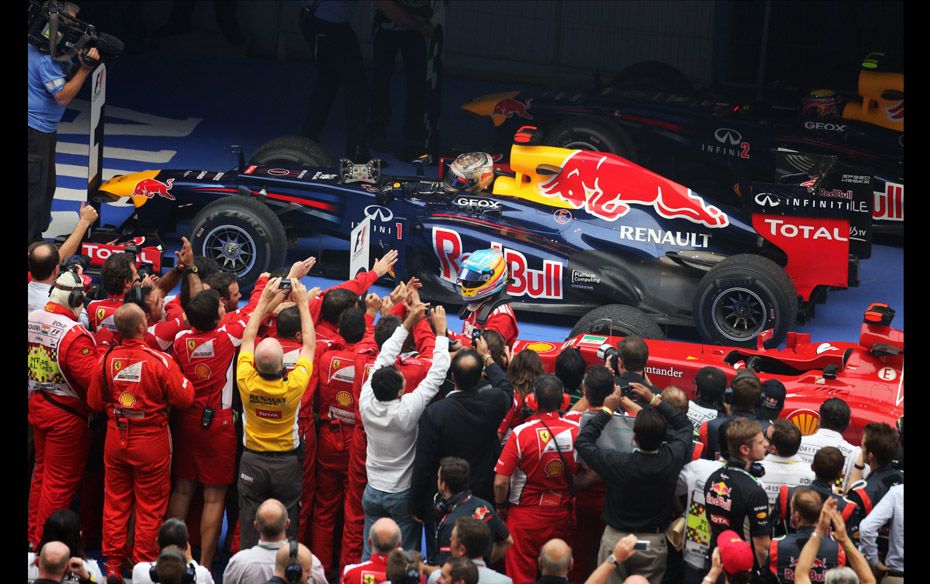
column 540, row 498
column 134, row 385
column 335, row 405
column 61, row 362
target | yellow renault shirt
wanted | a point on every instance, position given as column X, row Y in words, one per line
column 270, row 406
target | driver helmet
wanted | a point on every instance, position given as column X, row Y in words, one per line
column 484, row 274
column 471, row 172
column 821, row 103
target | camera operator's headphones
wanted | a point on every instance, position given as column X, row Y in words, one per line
column 135, row 295
column 533, row 405
column 293, row 572
column 190, row 573
column 411, row 570
column 76, row 292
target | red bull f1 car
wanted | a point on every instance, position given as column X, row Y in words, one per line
column 712, row 140
column 584, row 233
column 868, row 375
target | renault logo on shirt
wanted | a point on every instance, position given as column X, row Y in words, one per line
column 378, row 213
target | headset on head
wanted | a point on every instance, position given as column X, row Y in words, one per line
column 190, row 573
column 75, row 293
column 533, row 405
column 293, row 572
column 136, row 295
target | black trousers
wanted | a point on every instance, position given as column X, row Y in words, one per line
column 41, row 169
column 264, row 476
column 412, row 47
column 338, row 59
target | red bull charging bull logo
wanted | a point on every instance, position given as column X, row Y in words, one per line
column 150, row 187
column 719, row 495
column 513, row 107
column 605, row 186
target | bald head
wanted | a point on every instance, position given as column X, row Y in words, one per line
column 43, row 259
column 384, row 536
column 271, row 520
column 636, row 579
column 283, row 558
column 130, row 321
column 555, row 558
column 53, row 560
column 269, row 356
column 675, row 398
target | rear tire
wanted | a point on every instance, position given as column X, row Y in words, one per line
column 589, row 133
column 242, row 235
column 742, row 296
column 291, row 151
column 619, row 320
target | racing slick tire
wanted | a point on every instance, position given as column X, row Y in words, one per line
column 618, row 319
column 742, row 296
column 653, row 76
column 589, row 133
column 292, row 151
column 242, row 235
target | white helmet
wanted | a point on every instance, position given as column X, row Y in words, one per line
column 471, row 172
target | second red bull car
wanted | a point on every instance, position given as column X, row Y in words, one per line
column 584, row 233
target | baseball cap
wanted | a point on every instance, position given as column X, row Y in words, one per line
column 773, row 399
column 735, row 553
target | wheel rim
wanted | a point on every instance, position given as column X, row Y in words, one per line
column 581, row 145
column 739, row 314
column 232, row 248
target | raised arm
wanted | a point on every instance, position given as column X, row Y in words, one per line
column 88, row 215
column 302, row 297
column 271, row 296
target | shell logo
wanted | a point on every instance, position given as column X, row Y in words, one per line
column 806, row 420
column 540, row 347
column 202, row 371
column 344, row 398
column 126, row 399
column 553, row 468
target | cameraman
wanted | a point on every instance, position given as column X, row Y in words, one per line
column 50, row 87
column 629, row 362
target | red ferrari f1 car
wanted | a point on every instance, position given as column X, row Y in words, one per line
column 868, row 375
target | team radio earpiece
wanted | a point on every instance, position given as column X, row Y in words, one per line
column 188, row 577
column 293, row 572
column 76, row 292
column 533, row 405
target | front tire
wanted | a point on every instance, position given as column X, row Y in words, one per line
column 742, row 296
column 619, row 320
column 242, row 235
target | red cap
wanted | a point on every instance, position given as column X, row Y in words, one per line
column 735, row 553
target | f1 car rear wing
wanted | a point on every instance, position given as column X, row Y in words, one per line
column 822, row 221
